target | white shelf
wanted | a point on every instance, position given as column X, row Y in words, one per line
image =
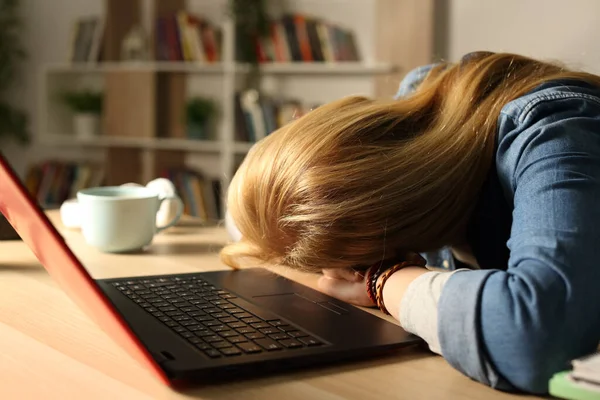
column 339, row 68
column 186, row 67
column 298, row 68
column 207, row 146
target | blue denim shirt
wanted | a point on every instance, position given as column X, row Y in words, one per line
column 534, row 304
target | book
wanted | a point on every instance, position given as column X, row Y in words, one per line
column 297, row 37
column 582, row 382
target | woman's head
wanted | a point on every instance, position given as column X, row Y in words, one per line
column 359, row 180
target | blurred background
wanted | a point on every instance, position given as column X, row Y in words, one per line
column 97, row 92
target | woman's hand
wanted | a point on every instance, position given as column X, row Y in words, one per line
column 346, row 285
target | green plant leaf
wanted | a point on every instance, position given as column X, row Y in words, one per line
column 84, row 101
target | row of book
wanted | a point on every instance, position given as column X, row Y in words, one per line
column 256, row 116
column 52, row 182
column 187, row 37
column 257, row 119
column 86, row 39
column 301, row 38
column 201, row 196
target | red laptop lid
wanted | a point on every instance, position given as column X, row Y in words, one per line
column 47, row 244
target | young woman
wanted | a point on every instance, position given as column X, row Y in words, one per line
column 490, row 168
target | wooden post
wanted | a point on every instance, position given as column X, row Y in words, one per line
column 404, row 38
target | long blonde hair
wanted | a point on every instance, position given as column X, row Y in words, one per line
column 359, row 180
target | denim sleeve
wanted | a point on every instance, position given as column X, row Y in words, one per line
column 413, row 79
column 513, row 329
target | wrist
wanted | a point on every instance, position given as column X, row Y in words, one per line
column 395, row 286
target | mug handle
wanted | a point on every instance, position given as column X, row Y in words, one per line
column 176, row 217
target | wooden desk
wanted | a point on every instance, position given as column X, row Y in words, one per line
column 51, row 349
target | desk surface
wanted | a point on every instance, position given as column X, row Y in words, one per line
column 51, row 349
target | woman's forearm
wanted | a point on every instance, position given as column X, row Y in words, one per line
column 396, row 286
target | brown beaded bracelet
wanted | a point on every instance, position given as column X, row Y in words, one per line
column 384, row 277
column 370, row 292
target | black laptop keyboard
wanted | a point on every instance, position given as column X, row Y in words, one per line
column 213, row 320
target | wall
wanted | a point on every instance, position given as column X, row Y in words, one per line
column 540, row 28
column 547, row 29
column 46, row 38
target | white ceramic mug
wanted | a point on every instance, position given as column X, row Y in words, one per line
column 122, row 218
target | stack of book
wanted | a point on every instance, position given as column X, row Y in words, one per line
column 201, row 196
column 302, row 38
column 258, row 116
column 52, row 182
column 187, row 37
column 580, row 383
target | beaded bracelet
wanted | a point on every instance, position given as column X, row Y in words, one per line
column 370, row 292
column 384, row 277
column 413, row 260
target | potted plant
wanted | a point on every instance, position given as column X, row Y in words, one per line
column 13, row 122
column 86, row 106
column 200, row 113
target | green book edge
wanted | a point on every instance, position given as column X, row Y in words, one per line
column 561, row 386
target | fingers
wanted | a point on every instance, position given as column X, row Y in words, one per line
column 344, row 273
column 344, row 290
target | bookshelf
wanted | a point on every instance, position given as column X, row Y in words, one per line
column 143, row 132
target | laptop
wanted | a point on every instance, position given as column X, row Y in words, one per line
column 194, row 327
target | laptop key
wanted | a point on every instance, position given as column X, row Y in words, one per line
column 219, row 328
column 203, row 333
column 174, row 313
column 277, row 322
column 249, row 347
column 194, row 328
column 212, row 353
column 227, row 306
column 228, row 333
column 212, row 322
column 211, row 339
column 212, row 310
column 152, row 309
column 244, row 315
column 255, row 335
column 228, row 320
column 260, row 325
column 188, row 309
column 287, row 328
column 187, row 334
column 231, row 351
column 204, row 318
column 269, row 331
column 310, row 341
column 168, row 308
column 196, row 313
column 251, row 320
column 235, row 310
column 245, row 330
column 279, row 336
column 189, row 323
column 179, row 329
column 220, row 345
column 291, row 343
column 219, row 302
column 171, row 323
column 237, row 339
column 195, row 340
column 220, row 315
column 296, row 334
column 268, row 344
column 238, row 325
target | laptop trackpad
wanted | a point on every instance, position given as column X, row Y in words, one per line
column 292, row 303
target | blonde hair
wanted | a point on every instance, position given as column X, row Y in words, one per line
column 358, row 180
